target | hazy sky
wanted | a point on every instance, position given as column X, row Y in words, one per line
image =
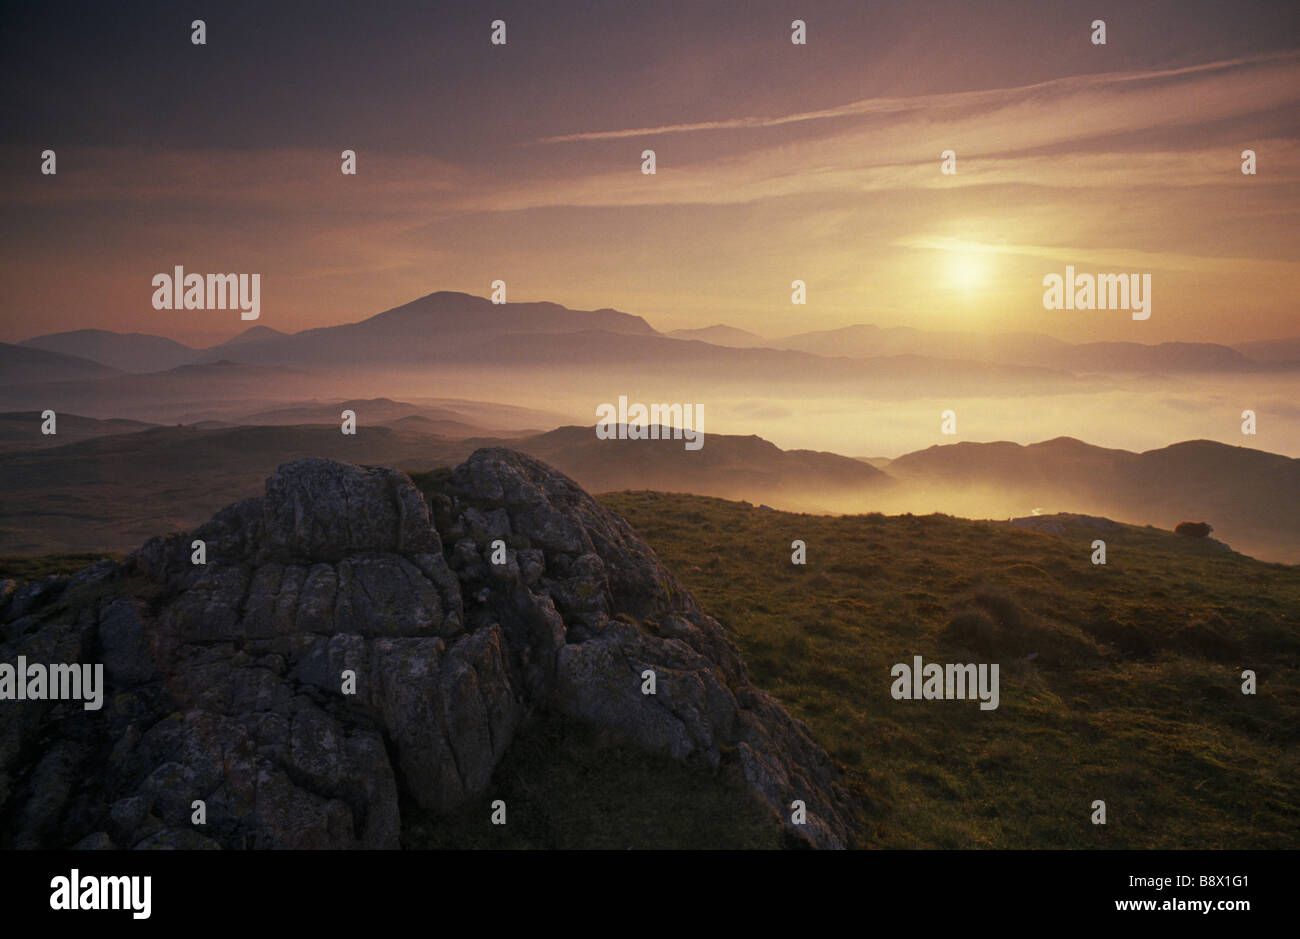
column 775, row 162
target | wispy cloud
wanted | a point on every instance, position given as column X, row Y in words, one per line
column 964, row 100
column 1060, row 133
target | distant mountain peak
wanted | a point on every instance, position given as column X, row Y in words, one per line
column 252, row 334
column 720, row 334
column 437, row 302
column 451, row 309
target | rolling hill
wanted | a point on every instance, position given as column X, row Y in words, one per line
column 431, row 328
column 751, row 466
column 1249, row 496
column 1029, row 349
column 1271, row 350
column 21, row 430
column 24, row 365
column 105, row 493
column 127, row 352
column 722, row 335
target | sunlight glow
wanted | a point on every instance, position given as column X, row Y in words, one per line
column 967, row 272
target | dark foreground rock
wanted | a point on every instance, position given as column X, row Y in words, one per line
column 226, row 681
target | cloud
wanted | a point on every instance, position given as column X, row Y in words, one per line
column 1001, row 137
column 962, row 100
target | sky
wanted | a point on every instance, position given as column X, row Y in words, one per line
column 775, row 162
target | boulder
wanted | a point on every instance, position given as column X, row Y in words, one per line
column 336, row 650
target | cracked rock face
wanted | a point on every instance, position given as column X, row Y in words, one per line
column 337, row 651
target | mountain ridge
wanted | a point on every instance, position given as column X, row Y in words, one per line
column 456, row 313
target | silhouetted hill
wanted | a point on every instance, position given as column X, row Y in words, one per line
column 722, row 335
column 110, row 492
column 448, row 329
column 22, row 365
column 453, row 327
column 66, row 493
column 1164, row 356
column 742, row 467
column 865, row 341
column 1271, row 350
column 102, row 494
column 215, row 389
column 129, row 352
column 402, row 415
column 369, row 410
column 432, row 328
column 1249, row 496
column 1063, row 460
column 438, row 427
column 252, row 334
column 21, row 430
column 141, row 352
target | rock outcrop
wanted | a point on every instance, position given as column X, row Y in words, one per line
column 343, row 648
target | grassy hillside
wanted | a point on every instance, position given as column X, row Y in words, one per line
column 1119, row 682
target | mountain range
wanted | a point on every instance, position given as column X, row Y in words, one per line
column 1249, row 496
column 452, row 327
column 21, row 365
column 116, row 480
column 120, row 468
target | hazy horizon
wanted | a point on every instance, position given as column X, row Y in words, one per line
column 239, row 327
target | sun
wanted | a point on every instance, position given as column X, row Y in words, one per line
column 967, row 272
